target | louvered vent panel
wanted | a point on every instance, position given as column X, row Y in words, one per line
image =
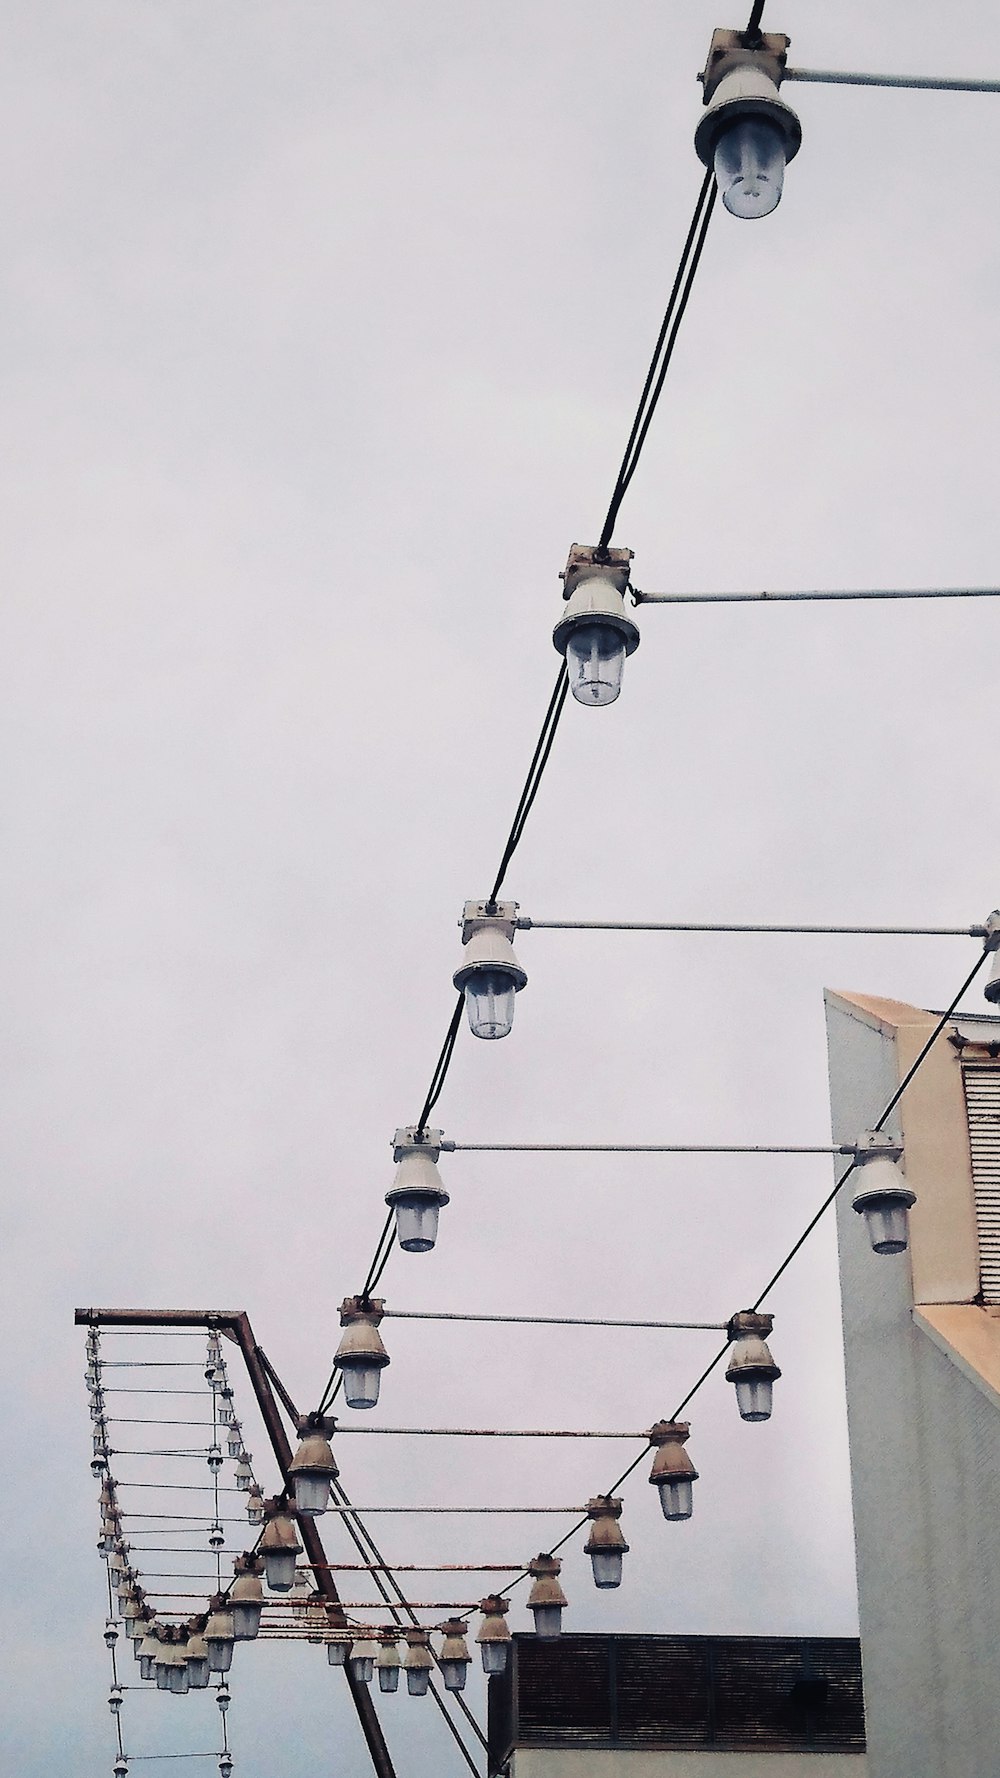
column 982, row 1100
column 663, row 1691
column 563, row 1690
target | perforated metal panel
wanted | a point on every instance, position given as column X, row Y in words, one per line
column 982, row 1100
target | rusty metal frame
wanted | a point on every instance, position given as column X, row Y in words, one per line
column 236, row 1324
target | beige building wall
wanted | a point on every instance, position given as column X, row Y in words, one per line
column 537, row 1762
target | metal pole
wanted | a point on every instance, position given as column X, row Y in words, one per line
column 236, row 1324
column 963, row 592
column 527, row 924
column 934, row 83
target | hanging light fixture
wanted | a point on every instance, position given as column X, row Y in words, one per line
column 110, row 1634
column 234, row 1438
column 220, row 1634
column 883, row 1198
column 546, row 1600
column 313, row 1468
column 246, row 1598
column 596, row 632
column 340, row 1638
column 214, row 1461
column 454, row 1657
column 279, row 1545
column 168, row 1658
column 225, row 1765
column 751, row 1366
column 605, row 1546
column 120, row 1767
column 673, row 1471
column 992, row 943
column 361, row 1660
column 417, row 1193
column 216, row 1536
column 418, row 1663
column 115, row 1699
column 222, row 1698
column 493, row 1635
column 244, row 1474
column 388, row 1662
column 255, row 1505
column 148, row 1650
column 197, row 1654
column 180, row 1679
column 225, row 1405
column 748, row 131
column 361, row 1356
column 489, row 975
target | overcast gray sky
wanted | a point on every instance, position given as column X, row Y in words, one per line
column 322, row 328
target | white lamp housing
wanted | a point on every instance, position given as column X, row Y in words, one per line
column 313, row 1467
column 489, row 975
column 493, row 1635
column 418, row 1662
column 673, row 1472
column 361, row 1356
column 751, row 1366
column 362, row 1659
column 225, row 1766
column 244, row 1474
column 992, row 943
column 882, row 1198
column 417, row 1193
column 605, row 1546
column 148, row 1649
column 596, row 632
column 748, row 131
column 546, row 1601
column 279, row 1545
column 246, row 1598
column 454, row 1657
column 388, row 1664
column 197, row 1659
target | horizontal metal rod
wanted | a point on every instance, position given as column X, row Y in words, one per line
column 934, row 83
column 479, row 1432
column 124, row 1420
column 133, row 1756
column 125, row 1451
column 359, row 1604
column 200, row 1393
column 185, row 1518
column 551, row 1321
column 964, row 592
column 531, row 925
column 183, row 1487
column 453, row 1509
column 641, row 1148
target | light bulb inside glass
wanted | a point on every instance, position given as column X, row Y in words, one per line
column 753, row 1397
column 887, row 1222
column 595, row 657
column 750, row 166
column 607, row 1566
column 677, row 1498
column 489, row 1002
column 361, row 1383
column 417, row 1223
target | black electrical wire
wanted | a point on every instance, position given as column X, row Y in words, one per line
column 752, row 32
column 663, row 352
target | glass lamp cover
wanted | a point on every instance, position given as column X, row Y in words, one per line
column 220, row 1654
column 417, row 1679
column 595, row 656
column 887, row 1220
column 246, row 1619
column 548, row 1620
column 361, row 1381
column 197, row 1671
column 279, row 1569
column 677, row 1498
column 416, row 1223
column 494, row 1657
column 753, row 1397
column 607, row 1566
column 336, row 1653
column 362, row 1666
column 489, row 1001
column 312, row 1493
column 453, row 1673
column 750, row 166
column 178, row 1677
column 388, row 1678
column 147, row 1666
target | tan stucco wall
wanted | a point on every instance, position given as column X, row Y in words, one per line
column 536, row 1762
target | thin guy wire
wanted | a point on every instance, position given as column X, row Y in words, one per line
column 628, row 459
column 476, row 1432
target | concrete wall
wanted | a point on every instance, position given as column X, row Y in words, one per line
column 531, row 1762
column 924, row 1432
